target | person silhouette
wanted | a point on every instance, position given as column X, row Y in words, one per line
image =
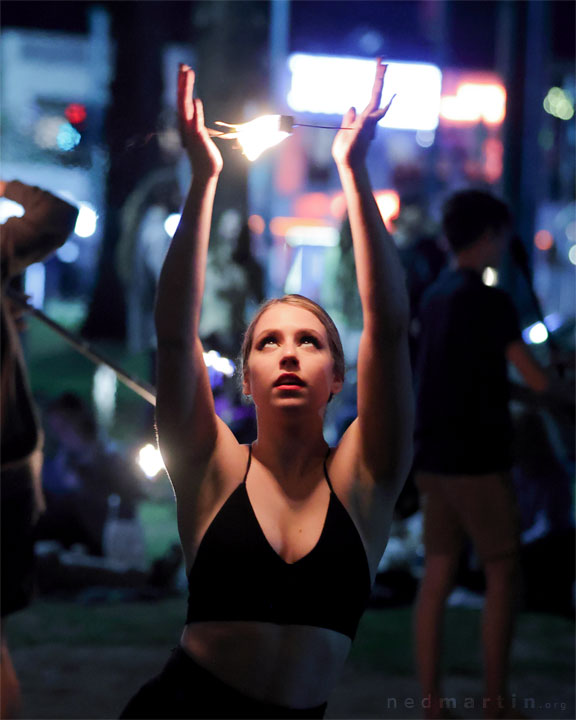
column 46, row 223
column 463, row 441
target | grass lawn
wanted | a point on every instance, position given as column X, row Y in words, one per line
column 544, row 643
column 55, row 367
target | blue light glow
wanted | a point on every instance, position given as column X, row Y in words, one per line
column 35, row 284
column 329, row 85
column 68, row 137
column 553, row 321
column 69, row 252
column 538, row 332
column 9, row 208
column 535, row 334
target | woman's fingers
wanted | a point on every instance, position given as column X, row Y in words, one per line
column 376, row 97
column 348, row 118
column 198, row 115
column 181, row 86
column 385, row 110
column 186, row 77
column 189, row 89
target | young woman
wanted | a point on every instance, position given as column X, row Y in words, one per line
column 282, row 539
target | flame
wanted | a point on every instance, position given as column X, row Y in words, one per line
column 257, row 135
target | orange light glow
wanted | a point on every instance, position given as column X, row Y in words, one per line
column 256, row 224
column 388, row 202
column 543, row 240
column 312, row 205
column 280, row 225
column 471, row 98
column 493, row 153
column 338, row 206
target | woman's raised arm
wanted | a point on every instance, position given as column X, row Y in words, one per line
column 186, row 419
column 382, row 434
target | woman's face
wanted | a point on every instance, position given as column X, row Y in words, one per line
column 290, row 363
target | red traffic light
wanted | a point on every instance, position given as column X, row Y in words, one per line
column 75, row 113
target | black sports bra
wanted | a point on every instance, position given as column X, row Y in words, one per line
column 237, row 575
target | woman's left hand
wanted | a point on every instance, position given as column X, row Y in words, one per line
column 353, row 139
column 204, row 156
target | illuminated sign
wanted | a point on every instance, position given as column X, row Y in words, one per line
column 329, row 85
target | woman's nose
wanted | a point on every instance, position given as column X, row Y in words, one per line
column 289, row 354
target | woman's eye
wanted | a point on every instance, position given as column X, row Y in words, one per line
column 309, row 340
column 268, row 341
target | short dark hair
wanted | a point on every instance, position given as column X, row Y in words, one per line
column 467, row 214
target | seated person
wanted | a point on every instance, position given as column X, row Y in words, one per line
column 81, row 476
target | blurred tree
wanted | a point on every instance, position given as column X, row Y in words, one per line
column 230, row 41
column 139, row 31
column 231, row 44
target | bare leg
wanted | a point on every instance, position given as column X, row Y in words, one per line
column 9, row 685
column 497, row 627
column 434, row 590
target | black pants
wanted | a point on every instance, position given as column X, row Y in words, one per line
column 184, row 689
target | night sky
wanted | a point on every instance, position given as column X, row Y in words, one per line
column 337, row 27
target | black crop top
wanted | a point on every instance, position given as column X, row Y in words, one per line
column 237, row 575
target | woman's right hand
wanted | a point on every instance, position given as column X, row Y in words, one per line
column 353, row 139
column 205, row 157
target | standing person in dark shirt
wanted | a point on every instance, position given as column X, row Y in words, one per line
column 45, row 225
column 469, row 332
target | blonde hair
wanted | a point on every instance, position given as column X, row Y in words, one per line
column 334, row 342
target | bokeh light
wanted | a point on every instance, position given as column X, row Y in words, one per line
column 536, row 333
column 150, row 461
column 490, row 276
column 475, row 102
column 69, row 252
column 543, row 240
column 75, row 113
column 87, row 220
column 388, row 202
column 558, row 103
column 256, row 224
column 171, row 223
column 9, row 208
column 68, row 137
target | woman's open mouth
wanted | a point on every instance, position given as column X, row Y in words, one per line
column 289, row 381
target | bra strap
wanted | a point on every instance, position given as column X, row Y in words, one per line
column 326, row 470
column 248, row 464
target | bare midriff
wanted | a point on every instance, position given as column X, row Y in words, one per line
column 292, row 665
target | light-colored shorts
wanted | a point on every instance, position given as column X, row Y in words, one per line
column 479, row 507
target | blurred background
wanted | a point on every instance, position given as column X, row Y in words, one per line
column 485, row 98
